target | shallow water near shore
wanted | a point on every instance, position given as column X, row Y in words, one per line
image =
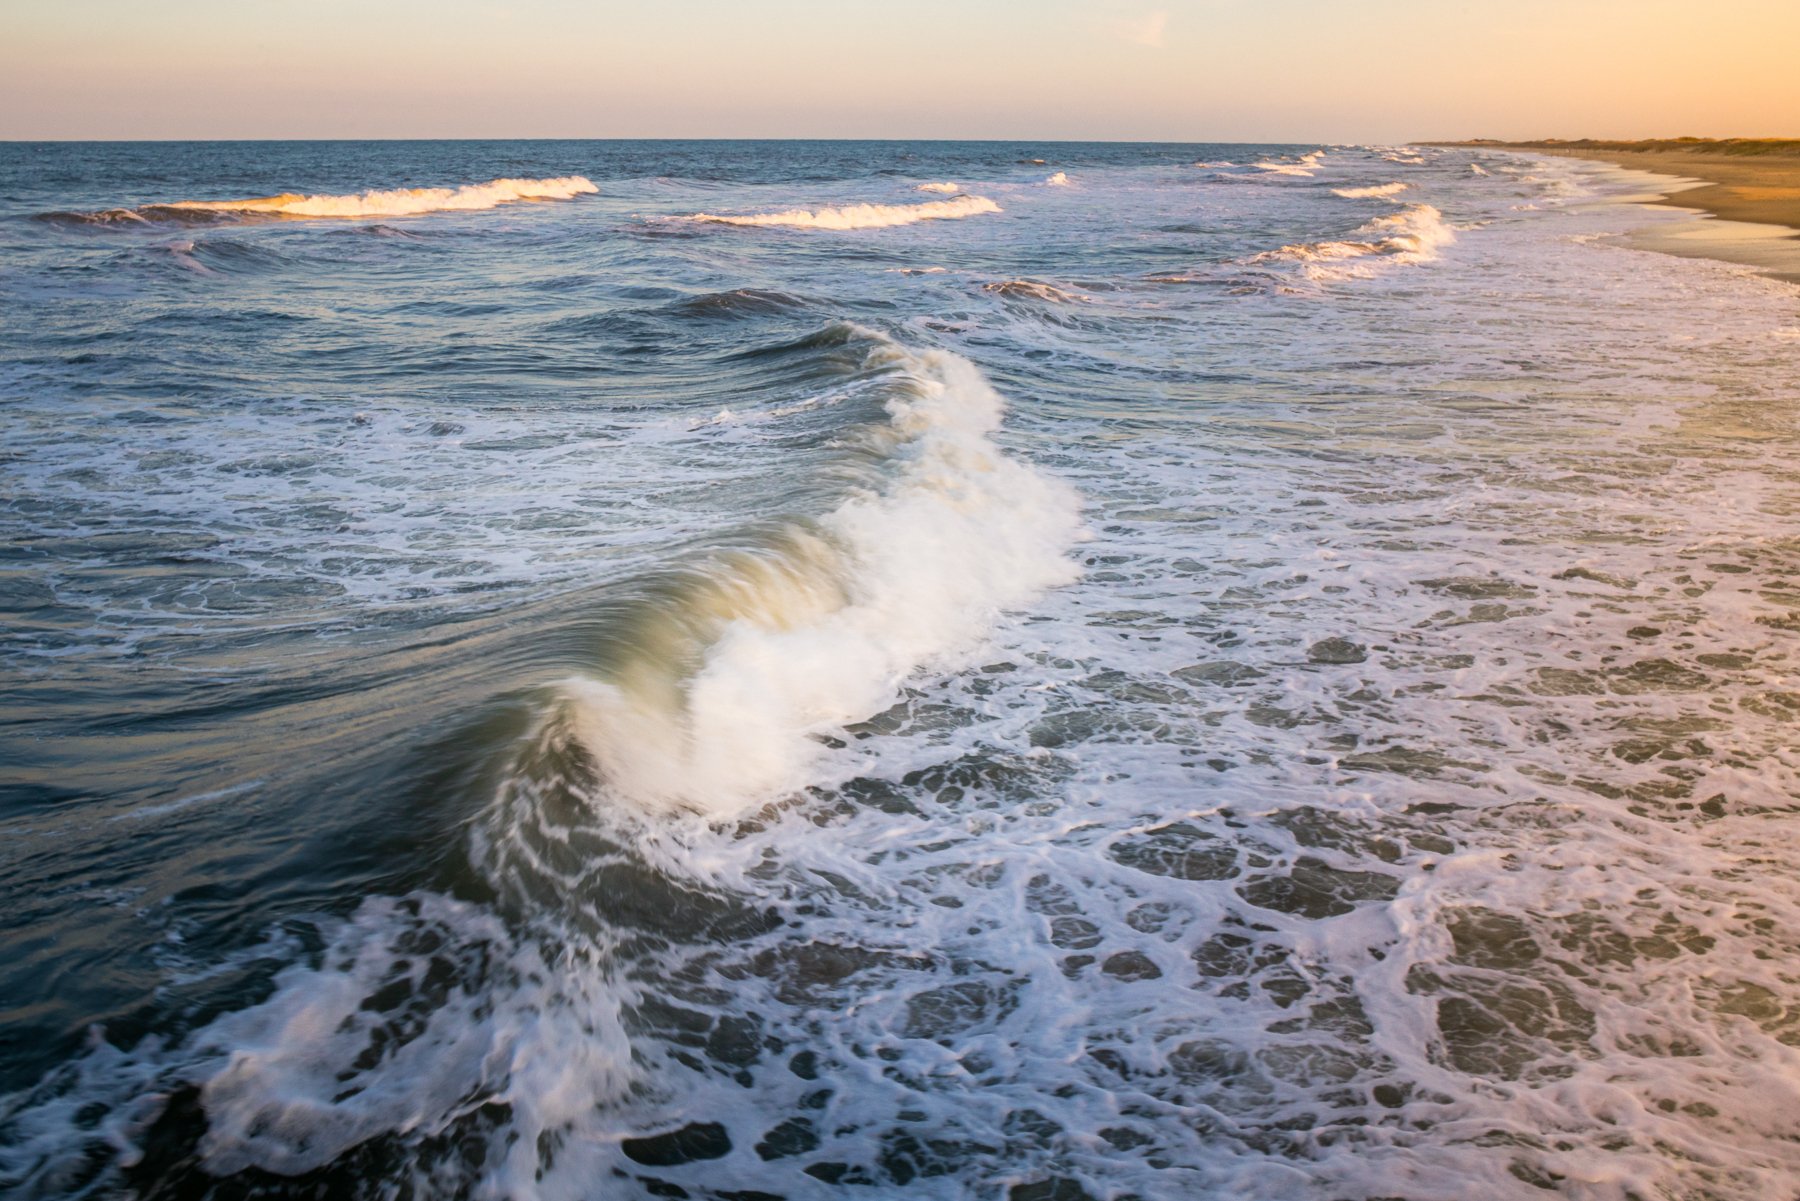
column 981, row 670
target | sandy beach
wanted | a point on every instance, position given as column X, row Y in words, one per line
column 1744, row 179
column 1748, row 189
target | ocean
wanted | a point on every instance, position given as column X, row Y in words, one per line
column 1031, row 671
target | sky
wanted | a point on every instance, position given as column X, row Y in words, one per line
column 1178, row 70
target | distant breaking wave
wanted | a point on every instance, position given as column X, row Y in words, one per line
column 397, row 202
column 1305, row 166
column 1033, row 290
column 1412, row 236
column 862, row 216
column 947, row 188
column 1371, row 193
column 1059, row 180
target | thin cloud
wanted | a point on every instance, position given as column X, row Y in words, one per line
column 1146, row 30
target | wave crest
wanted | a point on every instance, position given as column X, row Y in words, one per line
column 734, row 665
column 862, row 216
column 1031, row 289
column 395, row 202
column 1379, row 191
column 946, row 188
column 1414, row 235
column 1304, row 166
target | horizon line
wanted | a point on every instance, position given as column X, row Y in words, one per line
column 10, row 141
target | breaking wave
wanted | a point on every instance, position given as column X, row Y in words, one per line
column 862, row 216
column 498, row 1042
column 1059, row 180
column 946, row 188
column 1414, row 235
column 1305, row 165
column 743, row 657
column 1033, row 290
column 396, row 202
column 1371, row 193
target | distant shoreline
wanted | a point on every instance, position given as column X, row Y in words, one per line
column 1749, row 187
column 1745, row 179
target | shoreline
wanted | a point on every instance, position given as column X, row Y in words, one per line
column 1746, row 194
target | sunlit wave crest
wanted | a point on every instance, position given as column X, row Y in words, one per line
column 393, row 202
column 861, row 216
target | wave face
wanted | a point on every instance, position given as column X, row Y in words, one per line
column 1374, row 192
column 1031, row 289
column 745, row 656
column 862, row 216
column 395, row 202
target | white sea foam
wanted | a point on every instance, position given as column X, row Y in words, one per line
column 397, row 202
column 298, row 1080
column 1414, row 235
column 1304, row 166
column 1478, row 907
column 946, row 188
column 816, row 627
column 1059, row 180
column 1371, row 193
column 1477, row 169
column 862, row 216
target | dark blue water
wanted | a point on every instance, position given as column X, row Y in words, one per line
column 980, row 669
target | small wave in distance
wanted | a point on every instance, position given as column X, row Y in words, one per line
column 1414, row 235
column 861, row 216
column 1378, row 191
column 1033, row 290
column 395, row 202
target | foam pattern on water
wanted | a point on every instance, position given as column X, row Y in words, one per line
column 1394, row 806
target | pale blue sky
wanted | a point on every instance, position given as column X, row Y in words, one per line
column 1190, row 70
